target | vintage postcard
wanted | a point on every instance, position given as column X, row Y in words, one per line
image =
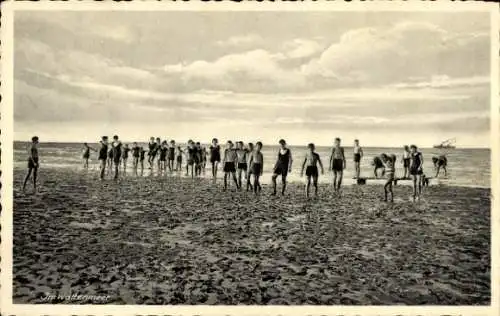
column 249, row 158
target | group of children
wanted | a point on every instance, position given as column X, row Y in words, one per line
column 240, row 161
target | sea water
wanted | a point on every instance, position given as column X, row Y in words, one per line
column 466, row 167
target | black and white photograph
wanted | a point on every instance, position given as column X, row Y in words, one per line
column 249, row 157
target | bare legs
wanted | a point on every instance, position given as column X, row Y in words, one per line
column 308, row 186
column 35, row 171
column 256, row 183
column 103, row 168
column 388, row 189
column 417, row 186
column 226, row 175
column 283, row 183
column 357, row 169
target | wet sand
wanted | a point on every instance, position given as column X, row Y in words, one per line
column 167, row 240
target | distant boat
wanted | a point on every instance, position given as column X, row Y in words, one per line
column 447, row 144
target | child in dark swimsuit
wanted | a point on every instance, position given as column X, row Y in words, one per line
column 312, row 160
column 103, row 155
column 180, row 152
column 151, row 151
column 135, row 155
column 171, row 155
column 389, row 162
column 378, row 164
column 337, row 164
column 256, row 164
column 229, row 164
column 358, row 154
column 125, row 152
column 242, row 165
column 198, row 159
column 162, row 161
column 214, row 156
column 33, row 163
column 86, row 155
column 142, row 153
column 282, row 167
column 191, row 153
column 117, row 153
column 416, row 171
column 406, row 161
column 110, row 159
column 249, row 169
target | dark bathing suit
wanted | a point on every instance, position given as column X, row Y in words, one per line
column 117, row 153
column 125, row 152
column 377, row 162
column 337, row 163
column 86, row 154
column 214, row 154
column 33, row 160
column 171, row 153
column 142, row 155
column 163, row 154
column 135, row 152
column 152, row 149
column 110, row 153
column 191, row 155
column 313, row 170
column 357, row 157
column 103, row 152
column 283, row 162
column 406, row 162
column 416, row 161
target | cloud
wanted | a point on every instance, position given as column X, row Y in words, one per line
column 242, row 40
column 301, row 48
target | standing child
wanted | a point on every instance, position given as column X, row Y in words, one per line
column 358, row 154
column 282, row 167
column 214, row 156
column 162, row 161
column 191, row 156
column 337, row 164
column 141, row 159
column 311, row 162
column 406, row 161
column 249, row 169
column 103, row 155
column 117, row 152
column 171, row 155
column 416, row 171
column 151, row 151
column 86, row 155
column 33, row 163
column 229, row 164
column 180, row 152
column 126, row 150
column 389, row 162
column 198, row 159
column 135, row 155
column 256, row 164
column 242, row 166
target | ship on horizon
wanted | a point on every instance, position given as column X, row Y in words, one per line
column 447, row 144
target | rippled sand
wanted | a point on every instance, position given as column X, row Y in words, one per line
column 165, row 240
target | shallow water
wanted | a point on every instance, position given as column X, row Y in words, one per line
column 466, row 167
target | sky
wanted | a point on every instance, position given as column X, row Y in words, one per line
column 386, row 78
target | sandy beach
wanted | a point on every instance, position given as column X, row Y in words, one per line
column 167, row 240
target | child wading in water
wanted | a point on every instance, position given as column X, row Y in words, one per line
column 282, row 167
column 358, row 154
column 416, row 171
column 406, row 161
column 117, row 153
column 162, row 161
column 126, row 150
column 33, row 163
column 135, row 156
column 180, row 152
column 171, row 155
column 311, row 162
column 191, row 156
column 256, row 164
column 337, row 164
column 249, row 169
column 229, row 164
column 389, row 162
column 214, row 156
column 242, row 153
column 86, row 155
column 103, row 155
